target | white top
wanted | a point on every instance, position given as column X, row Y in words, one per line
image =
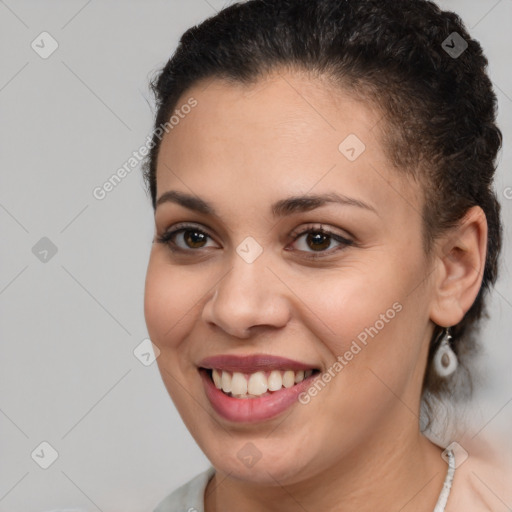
column 189, row 497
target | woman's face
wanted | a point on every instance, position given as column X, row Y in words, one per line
column 242, row 280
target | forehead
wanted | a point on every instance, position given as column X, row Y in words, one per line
column 285, row 133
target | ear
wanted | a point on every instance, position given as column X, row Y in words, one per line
column 459, row 267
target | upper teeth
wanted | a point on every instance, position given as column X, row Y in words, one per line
column 242, row 385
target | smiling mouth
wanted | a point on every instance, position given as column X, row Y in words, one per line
column 257, row 384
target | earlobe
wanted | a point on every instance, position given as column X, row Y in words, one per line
column 460, row 263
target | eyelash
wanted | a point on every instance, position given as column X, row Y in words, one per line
column 167, row 238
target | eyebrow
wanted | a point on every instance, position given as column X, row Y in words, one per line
column 281, row 208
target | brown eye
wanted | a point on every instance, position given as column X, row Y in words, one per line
column 317, row 240
column 193, row 238
column 184, row 238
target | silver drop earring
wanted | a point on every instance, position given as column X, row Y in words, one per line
column 445, row 359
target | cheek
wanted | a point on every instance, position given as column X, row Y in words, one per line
column 370, row 359
column 345, row 306
column 157, row 295
column 170, row 296
column 367, row 316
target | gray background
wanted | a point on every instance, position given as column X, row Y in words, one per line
column 69, row 326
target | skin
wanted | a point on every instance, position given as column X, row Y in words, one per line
column 357, row 443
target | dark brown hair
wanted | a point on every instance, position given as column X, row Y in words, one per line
column 439, row 108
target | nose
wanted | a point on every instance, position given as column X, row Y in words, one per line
column 248, row 298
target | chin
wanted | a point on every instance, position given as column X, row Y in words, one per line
column 261, row 461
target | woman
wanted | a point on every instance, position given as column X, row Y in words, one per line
column 325, row 234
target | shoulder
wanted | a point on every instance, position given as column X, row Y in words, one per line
column 189, row 497
column 482, row 481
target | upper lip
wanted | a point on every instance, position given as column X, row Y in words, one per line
column 252, row 363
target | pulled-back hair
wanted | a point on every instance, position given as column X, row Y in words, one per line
column 439, row 109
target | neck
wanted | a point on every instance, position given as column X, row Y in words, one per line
column 391, row 471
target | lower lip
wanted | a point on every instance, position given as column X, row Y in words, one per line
column 250, row 410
